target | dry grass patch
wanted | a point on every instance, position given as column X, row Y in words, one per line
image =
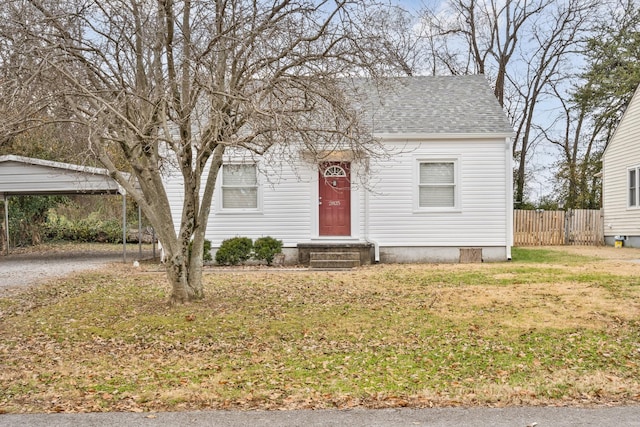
column 549, row 328
column 542, row 305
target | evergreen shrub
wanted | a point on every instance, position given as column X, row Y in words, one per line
column 234, row 251
column 266, row 248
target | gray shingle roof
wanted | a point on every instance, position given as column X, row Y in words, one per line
column 435, row 105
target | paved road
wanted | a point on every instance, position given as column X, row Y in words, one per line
column 627, row 416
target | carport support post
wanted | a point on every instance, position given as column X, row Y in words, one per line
column 139, row 232
column 5, row 199
column 124, row 227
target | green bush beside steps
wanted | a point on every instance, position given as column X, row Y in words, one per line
column 238, row 250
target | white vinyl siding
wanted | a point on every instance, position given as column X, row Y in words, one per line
column 288, row 199
column 480, row 216
column 285, row 205
column 437, row 184
column 288, row 205
column 622, row 155
column 239, row 187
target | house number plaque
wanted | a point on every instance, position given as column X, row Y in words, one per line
column 334, row 202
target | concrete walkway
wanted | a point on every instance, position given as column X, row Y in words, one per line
column 626, row 416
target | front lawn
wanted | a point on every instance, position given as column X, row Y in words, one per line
column 548, row 327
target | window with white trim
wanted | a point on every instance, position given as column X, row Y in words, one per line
column 239, row 187
column 437, row 184
column 634, row 187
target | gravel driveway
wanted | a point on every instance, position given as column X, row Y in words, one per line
column 18, row 270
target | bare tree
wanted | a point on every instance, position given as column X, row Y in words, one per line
column 555, row 43
column 522, row 46
column 580, row 145
column 395, row 41
column 490, row 31
column 593, row 106
column 181, row 82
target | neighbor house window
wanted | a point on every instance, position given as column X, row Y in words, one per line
column 437, row 186
column 239, row 186
column 634, row 178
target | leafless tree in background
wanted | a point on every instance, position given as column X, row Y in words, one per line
column 598, row 97
column 524, row 47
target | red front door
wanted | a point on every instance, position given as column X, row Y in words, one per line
column 335, row 199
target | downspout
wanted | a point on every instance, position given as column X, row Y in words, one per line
column 139, row 232
column 376, row 246
column 509, row 196
column 124, row 226
column 5, row 198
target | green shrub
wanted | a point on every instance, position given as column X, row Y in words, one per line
column 234, row 251
column 27, row 218
column 89, row 229
column 266, row 248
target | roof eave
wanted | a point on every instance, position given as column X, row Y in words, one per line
column 54, row 164
column 66, row 166
column 432, row 136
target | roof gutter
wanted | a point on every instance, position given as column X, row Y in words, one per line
column 430, row 135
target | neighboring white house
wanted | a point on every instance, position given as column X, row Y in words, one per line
column 444, row 192
column 621, row 179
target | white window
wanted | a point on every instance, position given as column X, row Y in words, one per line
column 334, row 170
column 239, row 187
column 437, row 184
column 634, row 193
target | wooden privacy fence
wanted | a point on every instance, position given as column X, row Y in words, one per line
column 573, row 227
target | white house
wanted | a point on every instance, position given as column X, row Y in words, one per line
column 621, row 179
column 443, row 195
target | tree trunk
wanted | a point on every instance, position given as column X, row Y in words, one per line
column 185, row 266
column 185, row 286
column 520, row 181
column 195, row 268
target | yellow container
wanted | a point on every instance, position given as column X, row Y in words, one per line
column 618, row 244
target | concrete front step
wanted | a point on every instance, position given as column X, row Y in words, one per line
column 336, row 255
column 363, row 248
column 335, row 264
column 334, row 260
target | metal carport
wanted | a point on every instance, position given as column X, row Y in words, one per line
column 21, row 176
